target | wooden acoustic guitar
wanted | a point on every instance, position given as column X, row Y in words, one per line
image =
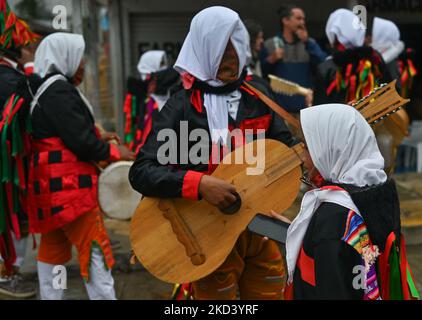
column 179, row 240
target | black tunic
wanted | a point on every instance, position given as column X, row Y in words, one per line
column 154, row 180
column 327, row 70
column 334, row 258
column 62, row 113
column 9, row 79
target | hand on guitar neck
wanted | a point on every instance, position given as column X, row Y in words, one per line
column 217, row 192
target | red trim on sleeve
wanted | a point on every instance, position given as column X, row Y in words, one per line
column 114, row 153
column 307, row 267
column 190, row 189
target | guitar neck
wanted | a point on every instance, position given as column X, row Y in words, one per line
column 303, row 91
column 300, row 151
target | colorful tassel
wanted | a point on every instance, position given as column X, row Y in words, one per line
column 14, row 32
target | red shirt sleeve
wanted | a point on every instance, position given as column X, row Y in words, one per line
column 190, row 189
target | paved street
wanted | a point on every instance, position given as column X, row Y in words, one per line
column 134, row 282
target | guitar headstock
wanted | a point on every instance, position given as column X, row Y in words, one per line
column 286, row 87
column 380, row 103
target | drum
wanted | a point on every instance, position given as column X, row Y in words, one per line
column 116, row 197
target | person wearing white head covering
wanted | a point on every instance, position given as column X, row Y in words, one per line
column 386, row 39
column 354, row 69
column 341, row 27
column 59, row 52
column 148, row 96
column 343, row 226
column 343, row 149
column 63, row 178
column 212, row 63
column 151, row 62
column 201, row 56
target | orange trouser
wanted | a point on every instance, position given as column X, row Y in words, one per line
column 255, row 268
column 83, row 233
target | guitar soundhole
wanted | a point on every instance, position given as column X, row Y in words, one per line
column 234, row 207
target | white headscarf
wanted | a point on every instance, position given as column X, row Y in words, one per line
column 386, row 39
column 344, row 150
column 341, row 25
column 150, row 62
column 59, row 52
column 201, row 55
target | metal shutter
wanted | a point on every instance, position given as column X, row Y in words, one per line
column 156, row 32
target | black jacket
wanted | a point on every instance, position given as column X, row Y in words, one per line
column 152, row 179
column 334, row 259
column 327, row 70
column 62, row 113
column 9, row 79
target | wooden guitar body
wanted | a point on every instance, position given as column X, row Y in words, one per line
column 181, row 241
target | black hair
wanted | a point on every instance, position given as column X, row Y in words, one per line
column 285, row 11
column 11, row 53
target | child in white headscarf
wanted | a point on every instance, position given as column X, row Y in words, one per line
column 63, row 201
column 147, row 96
column 354, row 69
column 212, row 63
column 333, row 246
column 386, row 39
